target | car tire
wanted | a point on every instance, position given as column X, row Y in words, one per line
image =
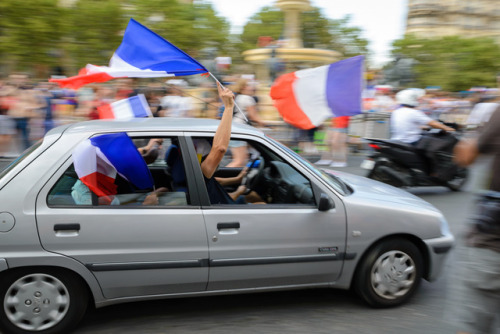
column 42, row 301
column 389, row 274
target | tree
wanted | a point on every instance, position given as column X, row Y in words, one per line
column 190, row 27
column 94, row 31
column 42, row 32
column 30, row 33
column 454, row 63
column 317, row 31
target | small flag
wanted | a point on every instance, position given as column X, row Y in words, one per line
column 142, row 54
column 135, row 106
column 306, row 98
column 99, row 159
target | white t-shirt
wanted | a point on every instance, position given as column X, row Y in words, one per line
column 176, row 106
column 406, row 124
column 244, row 102
column 481, row 113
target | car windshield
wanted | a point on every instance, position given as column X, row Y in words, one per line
column 18, row 160
column 331, row 179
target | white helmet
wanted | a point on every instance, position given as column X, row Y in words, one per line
column 410, row 96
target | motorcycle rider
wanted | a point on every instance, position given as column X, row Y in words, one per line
column 407, row 123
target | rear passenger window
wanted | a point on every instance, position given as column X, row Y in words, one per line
column 165, row 164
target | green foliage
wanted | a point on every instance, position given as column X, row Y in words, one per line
column 347, row 39
column 43, row 33
column 29, row 32
column 454, row 63
column 93, row 32
column 268, row 22
column 317, row 31
column 191, row 27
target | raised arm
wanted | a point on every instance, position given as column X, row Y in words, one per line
column 222, row 135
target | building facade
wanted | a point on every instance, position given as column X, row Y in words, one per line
column 471, row 18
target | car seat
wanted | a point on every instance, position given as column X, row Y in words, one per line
column 175, row 168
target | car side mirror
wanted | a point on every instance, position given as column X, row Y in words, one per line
column 325, row 203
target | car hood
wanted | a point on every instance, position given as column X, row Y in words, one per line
column 368, row 189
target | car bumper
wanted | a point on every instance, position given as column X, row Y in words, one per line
column 438, row 248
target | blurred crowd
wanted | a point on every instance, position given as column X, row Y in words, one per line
column 29, row 109
column 435, row 104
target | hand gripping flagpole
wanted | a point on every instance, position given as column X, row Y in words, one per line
column 237, row 107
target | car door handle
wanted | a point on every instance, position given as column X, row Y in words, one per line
column 222, row 226
column 66, row 227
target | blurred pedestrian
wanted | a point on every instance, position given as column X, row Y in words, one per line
column 247, row 104
column 175, row 103
column 335, row 154
column 7, row 131
column 22, row 111
column 383, row 101
column 481, row 112
column 246, row 101
column 480, row 306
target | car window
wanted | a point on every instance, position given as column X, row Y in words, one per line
column 335, row 182
column 164, row 161
column 18, row 160
column 270, row 179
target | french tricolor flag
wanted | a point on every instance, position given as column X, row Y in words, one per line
column 98, row 160
column 132, row 107
column 306, row 98
column 142, row 54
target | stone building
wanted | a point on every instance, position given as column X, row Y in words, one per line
column 471, row 18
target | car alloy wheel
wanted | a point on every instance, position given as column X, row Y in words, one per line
column 390, row 273
column 41, row 301
column 393, row 274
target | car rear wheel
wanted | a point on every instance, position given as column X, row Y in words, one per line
column 389, row 274
column 41, row 301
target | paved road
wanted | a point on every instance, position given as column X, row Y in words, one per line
column 432, row 310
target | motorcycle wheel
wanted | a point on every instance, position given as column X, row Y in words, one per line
column 458, row 180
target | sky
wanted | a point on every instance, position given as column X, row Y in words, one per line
column 382, row 21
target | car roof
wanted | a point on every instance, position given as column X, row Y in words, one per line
column 153, row 124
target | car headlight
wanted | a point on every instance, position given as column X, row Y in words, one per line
column 445, row 229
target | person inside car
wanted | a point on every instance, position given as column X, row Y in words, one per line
column 219, row 147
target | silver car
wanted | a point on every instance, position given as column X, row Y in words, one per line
column 62, row 250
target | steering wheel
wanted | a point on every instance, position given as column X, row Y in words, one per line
column 254, row 174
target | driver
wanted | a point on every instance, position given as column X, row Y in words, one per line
column 407, row 121
column 210, row 162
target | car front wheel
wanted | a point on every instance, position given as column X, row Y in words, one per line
column 390, row 273
column 41, row 301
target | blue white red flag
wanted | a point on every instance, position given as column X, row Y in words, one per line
column 98, row 160
column 306, row 98
column 142, row 54
column 132, row 107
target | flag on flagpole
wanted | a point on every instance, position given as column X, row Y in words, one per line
column 142, row 54
column 132, row 107
column 306, row 98
column 98, row 160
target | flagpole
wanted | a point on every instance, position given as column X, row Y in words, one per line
column 237, row 107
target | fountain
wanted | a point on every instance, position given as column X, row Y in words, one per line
column 291, row 52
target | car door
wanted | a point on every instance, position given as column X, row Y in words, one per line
column 133, row 250
column 266, row 245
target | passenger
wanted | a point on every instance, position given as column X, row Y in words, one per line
column 82, row 195
column 219, row 147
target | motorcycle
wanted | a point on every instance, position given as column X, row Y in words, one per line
column 429, row 163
